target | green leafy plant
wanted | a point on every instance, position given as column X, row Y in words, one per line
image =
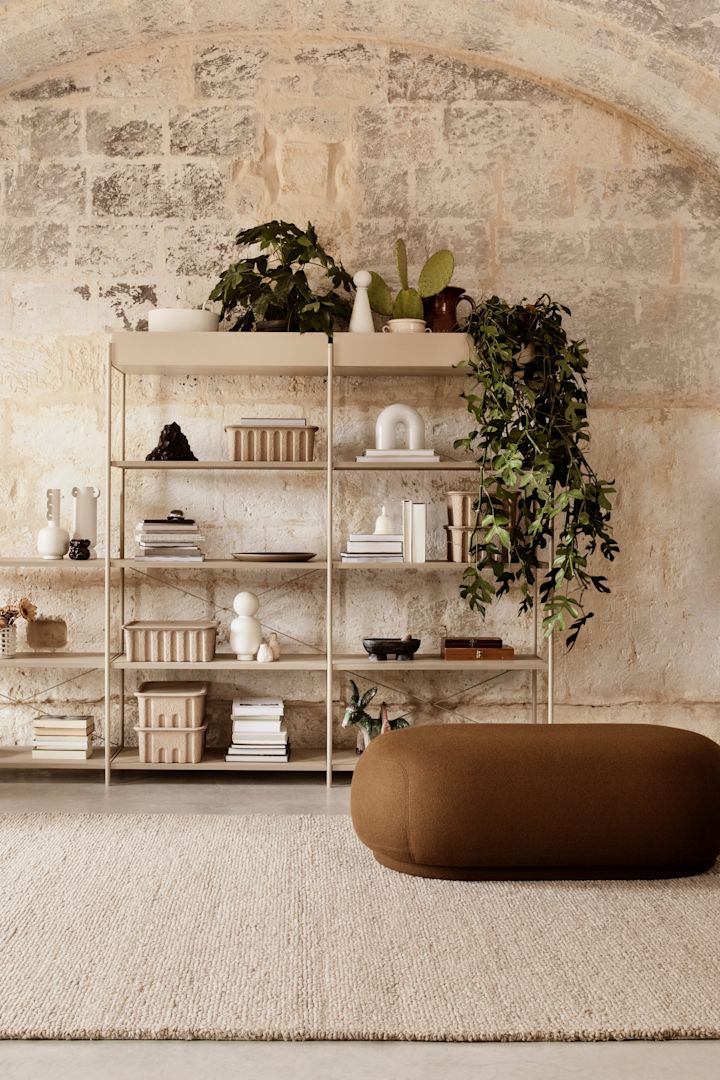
column 408, row 304
column 273, row 286
column 530, row 428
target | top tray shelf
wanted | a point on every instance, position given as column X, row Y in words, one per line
column 288, row 354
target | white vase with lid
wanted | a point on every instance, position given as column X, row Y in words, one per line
column 85, row 500
column 53, row 542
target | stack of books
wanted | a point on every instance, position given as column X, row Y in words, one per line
column 167, row 540
column 414, row 522
column 62, row 738
column 416, row 456
column 372, row 547
column 258, row 730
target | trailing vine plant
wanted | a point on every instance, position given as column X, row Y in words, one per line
column 530, row 429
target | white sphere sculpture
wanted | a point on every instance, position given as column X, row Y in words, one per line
column 245, row 630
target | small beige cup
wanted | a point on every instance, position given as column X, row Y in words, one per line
column 406, row 326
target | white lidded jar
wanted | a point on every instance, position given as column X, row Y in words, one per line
column 53, row 542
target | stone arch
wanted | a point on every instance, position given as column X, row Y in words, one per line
column 651, row 64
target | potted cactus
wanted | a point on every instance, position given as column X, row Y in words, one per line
column 408, row 303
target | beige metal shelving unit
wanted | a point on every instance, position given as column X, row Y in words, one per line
column 131, row 354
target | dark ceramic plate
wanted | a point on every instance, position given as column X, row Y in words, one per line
column 274, row 556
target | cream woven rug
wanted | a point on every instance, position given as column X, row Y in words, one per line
column 167, row 927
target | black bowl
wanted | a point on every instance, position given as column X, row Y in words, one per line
column 380, row 648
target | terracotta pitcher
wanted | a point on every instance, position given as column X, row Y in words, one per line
column 441, row 310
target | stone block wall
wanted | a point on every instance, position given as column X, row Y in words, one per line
column 123, row 179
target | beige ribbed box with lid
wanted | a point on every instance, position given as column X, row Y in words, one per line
column 270, row 443
column 169, row 705
column 163, row 641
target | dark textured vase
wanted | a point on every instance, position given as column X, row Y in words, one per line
column 440, row 311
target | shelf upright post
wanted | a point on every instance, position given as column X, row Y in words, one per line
column 108, row 534
column 550, row 650
column 329, row 531
column 121, row 531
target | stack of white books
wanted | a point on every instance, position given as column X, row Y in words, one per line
column 168, row 541
column 416, row 456
column 414, row 521
column 258, row 730
column 62, row 738
column 373, row 547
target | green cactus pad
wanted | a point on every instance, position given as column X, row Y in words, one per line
column 379, row 295
column 436, row 273
column 408, row 305
column 401, row 256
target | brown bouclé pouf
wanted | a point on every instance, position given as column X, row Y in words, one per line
column 520, row 801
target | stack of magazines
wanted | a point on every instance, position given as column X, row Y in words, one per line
column 171, row 539
column 258, row 730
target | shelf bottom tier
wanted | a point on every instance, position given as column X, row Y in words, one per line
column 302, row 760
column 20, row 757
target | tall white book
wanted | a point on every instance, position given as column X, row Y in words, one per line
column 407, row 530
column 419, row 531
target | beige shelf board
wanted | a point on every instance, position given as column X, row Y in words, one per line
column 432, row 565
column 406, row 466
column 199, row 466
column 214, row 760
column 220, row 353
column 67, row 564
column 217, row 564
column 429, row 662
column 344, row 760
column 227, row 662
column 20, row 757
column 399, row 354
column 54, row 660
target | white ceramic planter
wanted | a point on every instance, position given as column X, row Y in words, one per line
column 182, row 320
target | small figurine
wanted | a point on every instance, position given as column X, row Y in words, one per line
column 369, row 727
column 245, row 632
column 172, row 446
column 274, row 645
column 361, row 320
column 383, row 524
column 264, row 654
column 80, row 550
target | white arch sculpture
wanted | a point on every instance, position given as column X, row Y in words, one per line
column 387, row 423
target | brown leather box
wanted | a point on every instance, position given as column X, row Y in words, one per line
column 525, row 801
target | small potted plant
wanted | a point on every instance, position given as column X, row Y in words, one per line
column 9, row 615
column 272, row 290
column 410, row 302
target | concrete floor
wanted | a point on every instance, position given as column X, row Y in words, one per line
column 208, row 794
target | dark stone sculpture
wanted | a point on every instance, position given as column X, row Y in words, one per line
column 172, row 446
column 80, row 550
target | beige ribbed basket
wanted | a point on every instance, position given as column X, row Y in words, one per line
column 187, row 642
column 270, row 443
column 171, row 746
column 166, row 705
